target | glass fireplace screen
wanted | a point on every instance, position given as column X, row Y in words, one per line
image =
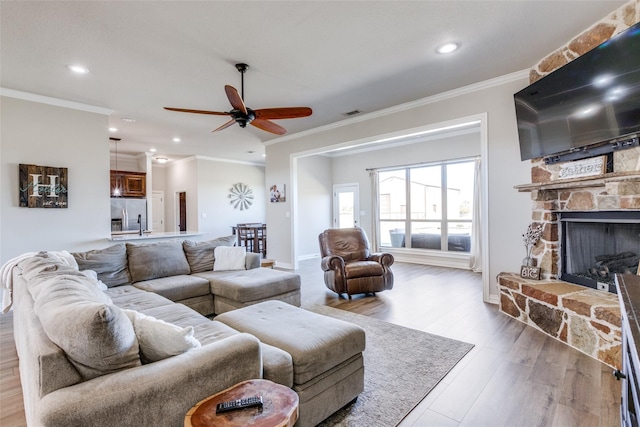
column 596, row 251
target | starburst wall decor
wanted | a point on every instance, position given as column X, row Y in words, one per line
column 240, row 196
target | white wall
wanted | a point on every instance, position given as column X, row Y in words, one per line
column 159, row 178
column 315, row 187
column 41, row 134
column 215, row 179
column 509, row 211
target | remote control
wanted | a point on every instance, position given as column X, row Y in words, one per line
column 232, row 405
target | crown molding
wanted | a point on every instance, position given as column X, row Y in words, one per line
column 26, row 96
column 475, row 87
column 240, row 162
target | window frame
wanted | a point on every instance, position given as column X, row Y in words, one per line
column 444, row 221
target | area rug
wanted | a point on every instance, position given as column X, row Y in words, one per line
column 402, row 366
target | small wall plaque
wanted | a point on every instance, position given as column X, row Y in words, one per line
column 42, row 187
column 583, row 168
column 530, row 272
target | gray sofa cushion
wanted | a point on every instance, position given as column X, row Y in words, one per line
column 154, row 260
column 176, row 288
column 200, row 254
column 128, row 296
column 96, row 336
column 316, row 343
column 110, row 264
column 251, row 285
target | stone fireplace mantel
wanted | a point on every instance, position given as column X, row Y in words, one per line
column 576, row 183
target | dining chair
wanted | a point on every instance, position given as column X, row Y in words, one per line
column 245, row 236
column 262, row 240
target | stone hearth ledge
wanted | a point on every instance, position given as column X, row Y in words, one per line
column 584, row 318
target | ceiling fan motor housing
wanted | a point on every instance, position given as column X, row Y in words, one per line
column 243, row 119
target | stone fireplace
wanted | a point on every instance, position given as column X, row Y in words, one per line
column 580, row 316
column 617, row 191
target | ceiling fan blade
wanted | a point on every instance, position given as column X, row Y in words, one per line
column 283, row 113
column 224, row 126
column 235, row 99
column 269, row 126
column 187, row 110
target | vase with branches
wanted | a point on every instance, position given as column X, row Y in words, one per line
column 530, row 238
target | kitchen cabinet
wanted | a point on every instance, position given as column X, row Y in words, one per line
column 132, row 184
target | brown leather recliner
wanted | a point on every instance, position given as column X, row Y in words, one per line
column 349, row 268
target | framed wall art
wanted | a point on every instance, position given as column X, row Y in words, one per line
column 277, row 193
column 42, row 186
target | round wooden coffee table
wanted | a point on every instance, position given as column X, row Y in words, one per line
column 279, row 409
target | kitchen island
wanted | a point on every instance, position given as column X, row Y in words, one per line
column 148, row 235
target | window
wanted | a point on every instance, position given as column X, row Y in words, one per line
column 431, row 203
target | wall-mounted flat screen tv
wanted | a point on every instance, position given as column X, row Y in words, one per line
column 593, row 99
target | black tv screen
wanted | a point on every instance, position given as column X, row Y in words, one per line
column 593, row 99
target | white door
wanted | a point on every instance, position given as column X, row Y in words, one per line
column 157, row 211
column 346, row 208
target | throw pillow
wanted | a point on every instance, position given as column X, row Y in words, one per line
column 229, row 258
column 155, row 260
column 158, row 339
column 110, row 264
column 200, row 254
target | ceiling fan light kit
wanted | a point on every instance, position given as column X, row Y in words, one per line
column 242, row 115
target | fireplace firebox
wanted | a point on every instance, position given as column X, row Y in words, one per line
column 595, row 245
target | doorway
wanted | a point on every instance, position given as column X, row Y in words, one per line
column 346, row 206
column 182, row 210
column 474, row 123
column 157, row 211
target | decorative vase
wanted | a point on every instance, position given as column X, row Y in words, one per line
column 528, row 262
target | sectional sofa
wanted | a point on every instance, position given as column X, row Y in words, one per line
column 184, row 272
column 95, row 353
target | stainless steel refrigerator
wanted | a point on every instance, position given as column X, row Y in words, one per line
column 126, row 211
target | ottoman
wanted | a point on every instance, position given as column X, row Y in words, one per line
column 237, row 289
column 328, row 369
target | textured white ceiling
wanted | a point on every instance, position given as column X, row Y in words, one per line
column 332, row 56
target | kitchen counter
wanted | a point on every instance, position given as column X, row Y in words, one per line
column 147, row 235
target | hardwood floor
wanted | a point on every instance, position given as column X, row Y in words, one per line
column 514, row 376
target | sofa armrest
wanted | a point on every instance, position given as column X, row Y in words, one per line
column 158, row 394
column 383, row 258
column 332, row 262
column 252, row 260
column 334, row 275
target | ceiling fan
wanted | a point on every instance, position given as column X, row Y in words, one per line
column 243, row 116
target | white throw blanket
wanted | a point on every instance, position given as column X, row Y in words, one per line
column 6, row 273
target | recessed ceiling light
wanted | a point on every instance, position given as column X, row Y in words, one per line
column 128, row 120
column 78, row 69
column 153, row 150
column 448, row 47
column 113, row 129
column 176, row 139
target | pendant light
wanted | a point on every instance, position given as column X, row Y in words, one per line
column 116, row 191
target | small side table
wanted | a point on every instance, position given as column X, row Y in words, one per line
column 280, row 407
column 267, row 262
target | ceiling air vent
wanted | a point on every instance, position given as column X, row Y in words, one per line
column 351, row 113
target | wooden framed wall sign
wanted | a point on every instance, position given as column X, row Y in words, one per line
column 530, row 272
column 42, row 187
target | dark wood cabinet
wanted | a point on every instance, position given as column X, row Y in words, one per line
column 628, row 288
column 131, row 184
